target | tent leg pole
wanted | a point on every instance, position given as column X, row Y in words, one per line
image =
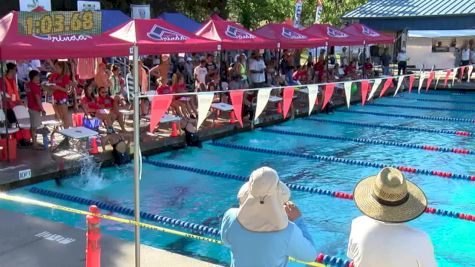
column 137, row 157
column 4, row 97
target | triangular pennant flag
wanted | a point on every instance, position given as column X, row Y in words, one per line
column 430, row 79
column 160, row 105
column 205, row 100
column 375, row 87
column 454, row 75
column 348, row 93
column 399, row 84
column 469, row 73
column 421, row 81
column 312, row 97
column 364, row 91
column 262, row 99
column 236, row 99
column 439, row 74
column 412, row 77
column 388, row 83
column 447, row 75
column 288, row 95
column 329, row 87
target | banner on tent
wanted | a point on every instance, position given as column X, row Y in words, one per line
column 43, row 24
column 89, row 6
column 298, row 13
column 140, row 11
column 30, row 5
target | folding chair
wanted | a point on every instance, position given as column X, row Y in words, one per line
column 3, row 130
column 23, row 117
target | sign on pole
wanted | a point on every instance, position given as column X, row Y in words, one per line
column 140, row 11
column 298, row 13
column 318, row 13
column 89, row 6
column 30, row 5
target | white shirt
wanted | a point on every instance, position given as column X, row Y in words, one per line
column 257, row 65
column 472, row 56
column 200, row 74
column 402, row 56
column 376, row 244
column 35, row 64
column 466, row 54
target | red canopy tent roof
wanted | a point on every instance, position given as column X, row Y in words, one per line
column 156, row 36
column 335, row 36
column 233, row 36
column 369, row 35
column 290, row 37
column 16, row 46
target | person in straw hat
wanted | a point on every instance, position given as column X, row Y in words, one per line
column 266, row 228
column 380, row 238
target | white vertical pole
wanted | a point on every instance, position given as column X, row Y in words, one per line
column 135, row 54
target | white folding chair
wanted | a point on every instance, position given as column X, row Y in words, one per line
column 49, row 110
column 22, row 117
column 3, row 130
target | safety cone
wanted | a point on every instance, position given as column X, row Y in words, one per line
column 232, row 118
column 174, row 130
column 94, row 149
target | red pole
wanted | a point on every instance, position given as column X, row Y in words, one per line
column 93, row 238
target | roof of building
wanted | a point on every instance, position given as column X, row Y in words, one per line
column 412, row 8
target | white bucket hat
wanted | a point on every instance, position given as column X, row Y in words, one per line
column 262, row 201
column 389, row 197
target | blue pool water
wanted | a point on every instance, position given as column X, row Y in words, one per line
column 203, row 199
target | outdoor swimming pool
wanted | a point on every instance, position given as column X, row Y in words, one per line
column 203, row 199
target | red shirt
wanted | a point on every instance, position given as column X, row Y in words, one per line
column 350, row 69
column 90, row 104
column 298, row 75
column 33, row 91
column 12, row 90
column 105, row 102
column 61, row 81
column 164, row 89
column 368, row 66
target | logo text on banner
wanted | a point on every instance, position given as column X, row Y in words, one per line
column 336, row 33
column 288, row 33
column 367, row 31
column 159, row 33
column 60, row 23
column 237, row 33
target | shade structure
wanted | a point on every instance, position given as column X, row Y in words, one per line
column 289, row 37
column 233, row 36
column 335, row 36
column 16, row 46
column 180, row 20
column 156, row 36
column 369, row 35
column 112, row 19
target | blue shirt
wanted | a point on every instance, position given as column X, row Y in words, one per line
column 265, row 249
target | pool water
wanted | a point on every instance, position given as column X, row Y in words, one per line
column 204, row 199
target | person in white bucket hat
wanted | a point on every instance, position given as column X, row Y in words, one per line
column 266, row 228
column 380, row 238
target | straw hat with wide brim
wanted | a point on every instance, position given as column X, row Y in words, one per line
column 262, row 201
column 389, row 197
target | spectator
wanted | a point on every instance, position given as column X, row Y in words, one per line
column 235, row 82
column 91, row 107
column 385, row 61
column 472, row 52
column 380, row 238
column 60, row 85
column 12, row 96
column 109, row 106
column 344, row 61
column 212, row 69
column 301, row 75
column 115, row 86
column 188, row 70
column 465, row 57
column 266, row 228
column 350, row 70
column 257, row 69
column 319, row 66
column 368, row 68
column 35, row 108
column 200, row 74
column 271, row 71
column 402, row 62
column 102, row 77
column 241, row 67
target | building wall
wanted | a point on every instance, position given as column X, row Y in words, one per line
column 419, row 51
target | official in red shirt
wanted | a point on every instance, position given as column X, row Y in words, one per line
column 60, row 85
column 12, row 98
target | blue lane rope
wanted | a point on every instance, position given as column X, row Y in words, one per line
column 405, row 128
column 430, row 118
column 201, row 229
column 421, row 108
column 369, row 141
column 295, row 187
column 441, row 101
column 344, row 161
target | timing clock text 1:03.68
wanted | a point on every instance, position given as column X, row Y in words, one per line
column 60, row 24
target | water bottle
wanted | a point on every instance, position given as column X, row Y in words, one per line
column 45, row 141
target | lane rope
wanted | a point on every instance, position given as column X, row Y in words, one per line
column 168, row 221
column 369, row 141
column 430, row 118
column 421, row 108
column 441, row 101
column 296, row 187
column 393, row 127
column 345, row 161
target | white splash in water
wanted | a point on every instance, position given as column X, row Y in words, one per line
column 91, row 178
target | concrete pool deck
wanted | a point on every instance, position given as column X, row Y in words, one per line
column 45, row 165
column 34, row 242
